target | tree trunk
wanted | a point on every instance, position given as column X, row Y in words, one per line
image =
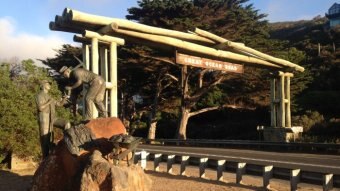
column 183, row 124
column 185, row 110
column 152, row 129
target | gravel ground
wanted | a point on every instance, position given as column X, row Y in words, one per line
column 162, row 181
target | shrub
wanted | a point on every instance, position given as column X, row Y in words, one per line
column 18, row 125
column 308, row 120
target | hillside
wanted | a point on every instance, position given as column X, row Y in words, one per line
column 319, row 103
column 307, row 35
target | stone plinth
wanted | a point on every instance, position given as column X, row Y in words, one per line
column 280, row 134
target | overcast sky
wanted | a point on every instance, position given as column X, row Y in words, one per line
column 24, row 31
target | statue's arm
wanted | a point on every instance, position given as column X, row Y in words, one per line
column 77, row 84
column 42, row 106
column 62, row 101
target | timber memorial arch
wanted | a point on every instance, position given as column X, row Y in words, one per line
column 101, row 35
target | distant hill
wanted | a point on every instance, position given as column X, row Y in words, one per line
column 306, row 35
column 315, row 31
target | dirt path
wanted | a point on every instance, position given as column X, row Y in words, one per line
column 20, row 181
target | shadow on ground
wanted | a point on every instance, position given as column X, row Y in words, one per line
column 16, row 180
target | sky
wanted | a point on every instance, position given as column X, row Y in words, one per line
column 24, row 31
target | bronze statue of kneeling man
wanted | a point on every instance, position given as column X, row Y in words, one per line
column 95, row 93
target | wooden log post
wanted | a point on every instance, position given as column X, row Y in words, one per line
column 203, row 165
column 240, row 171
column 84, row 40
column 86, row 61
column 157, row 160
column 95, row 67
column 288, row 111
column 114, row 80
column 199, row 49
column 267, row 175
column 294, row 179
column 170, row 162
column 104, row 70
column 273, row 105
column 104, row 38
column 249, row 51
column 89, row 19
column 112, row 85
column 281, row 94
column 184, row 163
column 220, row 169
column 327, row 182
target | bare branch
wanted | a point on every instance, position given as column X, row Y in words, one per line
column 171, row 76
column 206, row 88
column 232, row 106
column 166, row 60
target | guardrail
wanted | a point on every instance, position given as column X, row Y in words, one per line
column 268, row 171
column 263, row 145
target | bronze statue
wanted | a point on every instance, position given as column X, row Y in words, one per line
column 46, row 116
column 95, row 93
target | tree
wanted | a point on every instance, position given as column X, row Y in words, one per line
column 18, row 124
column 64, row 57
column 144, row 73
column 226, row 18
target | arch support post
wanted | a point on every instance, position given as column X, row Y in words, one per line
column 94, row 67
column 113, row 79
column 281, row 128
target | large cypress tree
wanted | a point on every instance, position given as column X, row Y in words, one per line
column 231, row 19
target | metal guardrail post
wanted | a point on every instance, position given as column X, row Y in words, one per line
column 136, row 158
column 157, row 160
column 143, row 159
column 295, row 174
column 294, row 179
column 220, row 169
column 170, row 162
column 184, row 163
column 203, row 164
column 241, row 169
column 267, row 175
column 327, row 182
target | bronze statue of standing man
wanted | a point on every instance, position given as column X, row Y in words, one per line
column 95, row 93
column 46, row 116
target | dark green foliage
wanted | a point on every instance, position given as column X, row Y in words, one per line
column 64, row 57
column 228, row 124
column 322, row 93
column 323, row 69
column 167, row 126
column 213, row 98
column 234, row 20
column 326, row 102
column 327, row 131
column 307, row 120
column 18, row 113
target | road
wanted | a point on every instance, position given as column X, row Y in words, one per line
column 306, row 162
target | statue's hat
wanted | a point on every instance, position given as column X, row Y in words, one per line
column 42, row 82
column 63, row 69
